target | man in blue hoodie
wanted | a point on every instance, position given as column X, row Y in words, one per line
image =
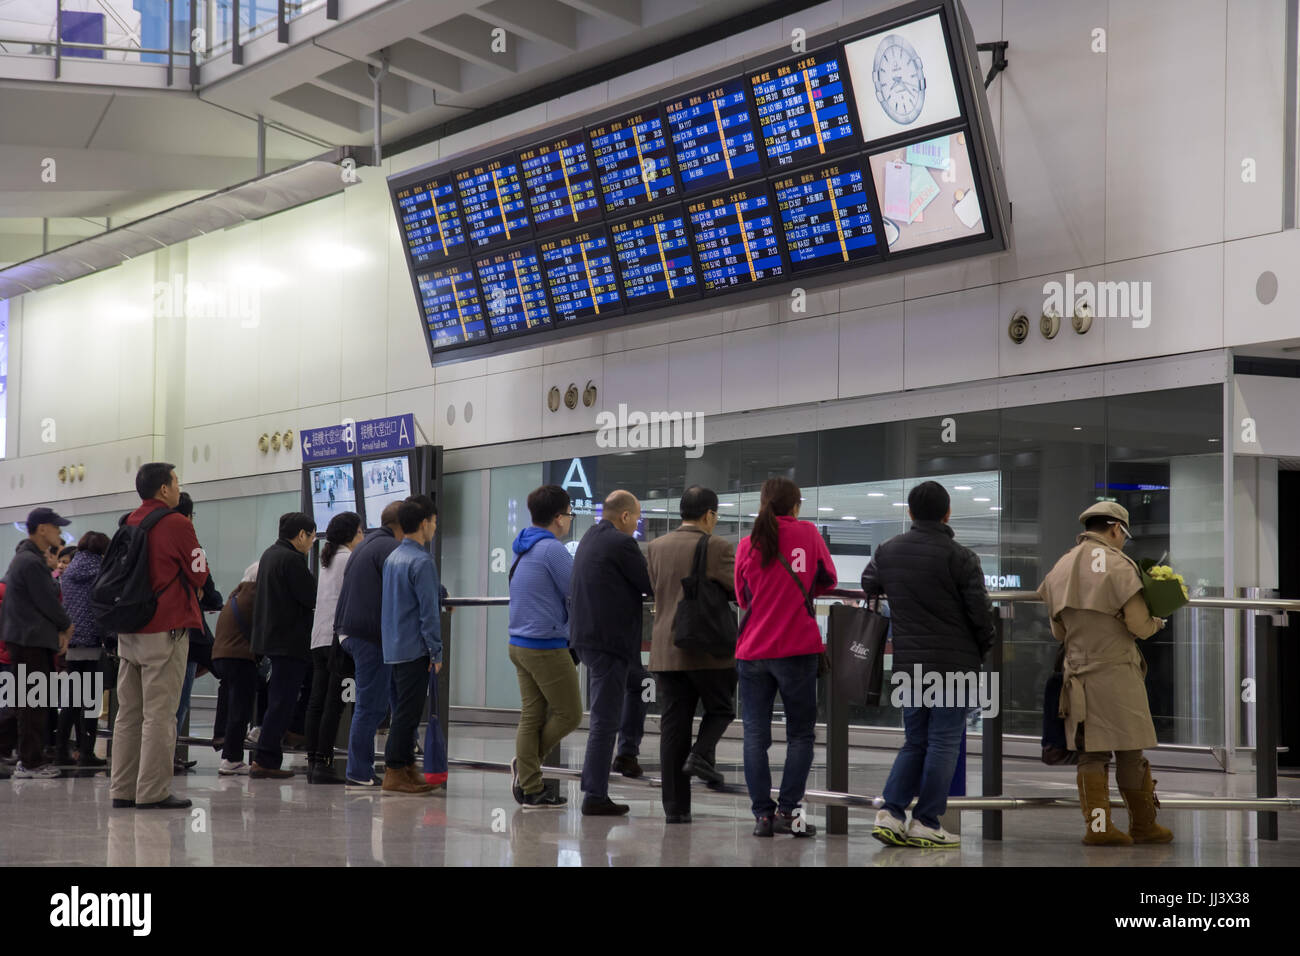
column 412, row 639
column 539, row 645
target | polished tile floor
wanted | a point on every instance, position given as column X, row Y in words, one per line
column 236, row 821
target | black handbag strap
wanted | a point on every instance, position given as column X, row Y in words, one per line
column 511, row 576
column 807, row 598
column 700, row 566
column 239, row 618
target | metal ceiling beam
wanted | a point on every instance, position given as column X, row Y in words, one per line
column 353, row 81
column 323, row 104
column 624, row 11
column 420, row 64
column 542, row 20
column 471, row 39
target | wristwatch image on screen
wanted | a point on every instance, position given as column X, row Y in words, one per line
column 899, row 77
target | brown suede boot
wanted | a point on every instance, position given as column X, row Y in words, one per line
column 1094, row 796
column 1142, row 812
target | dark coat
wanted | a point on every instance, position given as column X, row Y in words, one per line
column 938, row 605
column 33, row 614
column 609, row 580
column 234, row 627
column 286, row 597
column 75, row 582
column 361, row 596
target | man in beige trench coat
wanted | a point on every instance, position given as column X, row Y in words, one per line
column 1094, row 600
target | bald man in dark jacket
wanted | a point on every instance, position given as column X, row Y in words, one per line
column 610, row 581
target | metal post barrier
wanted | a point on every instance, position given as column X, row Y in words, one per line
column 1266, row 720
column 991, row 759
column 837, row 734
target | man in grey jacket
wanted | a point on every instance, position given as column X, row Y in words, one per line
column 36, row 627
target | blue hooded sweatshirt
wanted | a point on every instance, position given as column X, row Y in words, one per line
column 539, row 591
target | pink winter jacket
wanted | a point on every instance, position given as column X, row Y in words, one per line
column 778, row 624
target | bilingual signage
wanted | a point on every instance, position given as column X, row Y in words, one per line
column 350, row 438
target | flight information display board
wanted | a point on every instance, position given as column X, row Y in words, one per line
column 803, row 109
column 452, row 305
column 826, row 215
column 654, row 258
column 513, row 291
column 560, row 182
column 867, row 153
column 713, row 136
column 632, row 160
column 492, row 200
column 579, row 271
column 735, row 236
column 430, row 220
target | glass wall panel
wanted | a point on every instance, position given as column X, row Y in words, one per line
column 464, row 572
column 507, row 516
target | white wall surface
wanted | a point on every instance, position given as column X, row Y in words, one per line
column 1123, row 165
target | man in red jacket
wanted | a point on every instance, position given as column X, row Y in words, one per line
column 153, row 662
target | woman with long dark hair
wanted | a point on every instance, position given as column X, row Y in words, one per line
column 85, row 648
column 342, row 535
column 780, row 568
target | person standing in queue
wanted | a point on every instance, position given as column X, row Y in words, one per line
column 358, row 622
column 780, row 568
column 36, row 628
column 550, row 702
column 610, row 581
column 1095, row 604
column 687, row 678
column 325, row 708
column 412, row 639
column 286, row 598
column 151, row 667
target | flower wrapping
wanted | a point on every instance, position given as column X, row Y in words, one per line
column 1162, row 588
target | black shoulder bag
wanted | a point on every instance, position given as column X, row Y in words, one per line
column 824, row 661
column 704, row 620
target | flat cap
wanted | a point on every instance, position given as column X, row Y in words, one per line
column 1106, row 509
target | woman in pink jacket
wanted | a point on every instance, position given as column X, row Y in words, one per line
column 780, row 568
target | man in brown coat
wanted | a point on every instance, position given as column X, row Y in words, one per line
column 1094, row 600
column 685, row 677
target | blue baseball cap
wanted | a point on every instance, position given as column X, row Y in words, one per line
column 41, row 516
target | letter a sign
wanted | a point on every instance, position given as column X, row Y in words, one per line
column 575, row 477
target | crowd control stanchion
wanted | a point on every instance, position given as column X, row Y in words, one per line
column 444, row 677
column 1266, row 720
column 951, row 820
column 837, row 730
column 992, row 756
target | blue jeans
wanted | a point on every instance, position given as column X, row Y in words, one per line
column 191, row 669
column 796, row 679
column 373, row 680
column 635, row 707
column 606, row 698
column 924, row 766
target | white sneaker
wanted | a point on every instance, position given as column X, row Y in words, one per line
column 918, row 834
column 251, row 738
column 230, row 768
column 46, row 772
column 890, row 830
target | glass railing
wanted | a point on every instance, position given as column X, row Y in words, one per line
column 137, row 31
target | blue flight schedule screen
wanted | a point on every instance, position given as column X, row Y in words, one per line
column 713, row 136
column 579, row 270
column 654, row 258
column 452, row 306
column 803, row 109
column 632, row 161
column 492, row 201
column 431, row 223
column 825, row 216
column 560, row 182
column 735, row 238
column 513, row 292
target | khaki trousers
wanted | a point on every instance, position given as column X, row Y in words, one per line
column 550, row 707
column 149, row 681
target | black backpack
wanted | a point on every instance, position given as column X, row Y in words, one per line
column 122, row 598
column 705, row 620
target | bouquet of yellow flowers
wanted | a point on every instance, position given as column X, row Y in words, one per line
column 1162, row 587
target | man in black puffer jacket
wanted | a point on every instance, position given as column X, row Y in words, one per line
column 942, row 628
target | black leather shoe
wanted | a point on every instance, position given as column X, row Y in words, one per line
column 699, row 767
column 678, row 818
column 90, row 760
column 169, row 803
column 762, row 826
column 785, row 823
column 123, row 804
column 627, row 766
column 603, row 808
